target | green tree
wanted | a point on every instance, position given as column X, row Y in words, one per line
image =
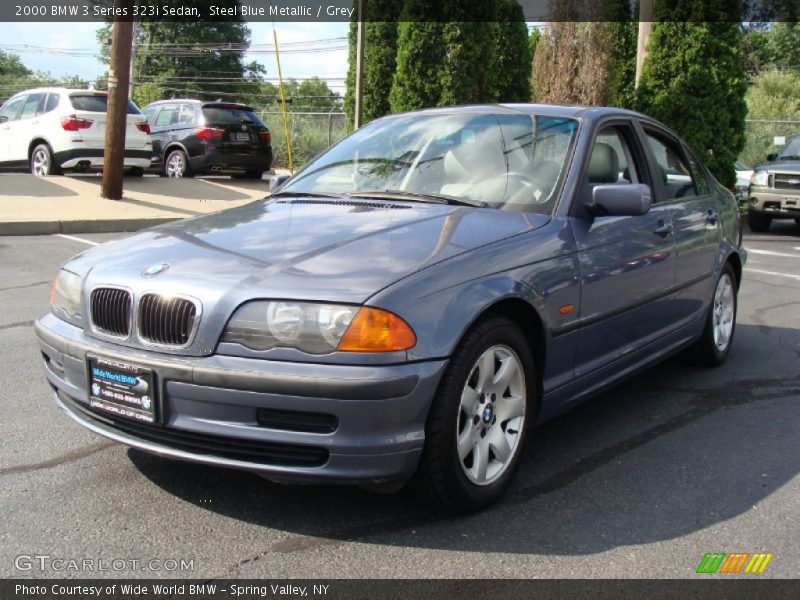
column 11, row 67
column 624, row 30
column 192, row 58
column 420, row 56
column 513, row 53
column 694, row 80
column 467, row 68
column 773, row 96
column 380, row 60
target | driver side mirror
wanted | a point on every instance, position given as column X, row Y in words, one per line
column 3, row 118
column 620, row 200
column 771, row 157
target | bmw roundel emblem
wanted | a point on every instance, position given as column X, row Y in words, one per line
column 155, row 269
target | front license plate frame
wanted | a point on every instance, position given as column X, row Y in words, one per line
column 122, row 389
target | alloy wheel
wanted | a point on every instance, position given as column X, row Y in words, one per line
column 176, row 166
column 491, row 415
column 41, row 162
column 723, row 312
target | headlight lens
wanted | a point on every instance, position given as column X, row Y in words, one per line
column 65, row 295
column 759, row 178
column 317, row 328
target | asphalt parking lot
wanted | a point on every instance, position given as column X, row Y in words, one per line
column 639, row 482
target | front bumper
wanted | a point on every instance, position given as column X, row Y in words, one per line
column 774, row 203
column 209, row 407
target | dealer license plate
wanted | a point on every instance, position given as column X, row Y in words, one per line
column 122, row 389
column 239, row 136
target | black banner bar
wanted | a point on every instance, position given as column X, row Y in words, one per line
column 345, row 10
column 708, row 587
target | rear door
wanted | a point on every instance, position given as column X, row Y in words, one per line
column 11, row 111
column 161, row 124
column 696, row 217
column 241, row 127
column 627, row 263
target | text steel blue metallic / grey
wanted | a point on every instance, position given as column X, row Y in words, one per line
column 409, row 305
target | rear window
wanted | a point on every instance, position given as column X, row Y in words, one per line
column 219, row 115
column 97, row 103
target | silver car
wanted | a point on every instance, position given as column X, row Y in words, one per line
column 409, row 305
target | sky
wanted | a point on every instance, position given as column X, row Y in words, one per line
column 331, row 64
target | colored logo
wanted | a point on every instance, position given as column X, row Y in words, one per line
column 735, row 562
column 146, row 402
column 154, row 270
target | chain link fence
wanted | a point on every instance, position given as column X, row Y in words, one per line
column 761, row 137
column 311, row 133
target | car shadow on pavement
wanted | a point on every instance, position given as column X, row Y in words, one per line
column 675, row 450
column 188, row 189
column 27, row 185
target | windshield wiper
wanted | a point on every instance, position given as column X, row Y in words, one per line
column 301, row 194
column 417, row 197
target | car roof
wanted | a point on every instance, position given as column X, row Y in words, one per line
column 195, row 101
column 59, row 90
column 551, row 110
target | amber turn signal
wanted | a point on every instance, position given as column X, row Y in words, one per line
column 376, row 330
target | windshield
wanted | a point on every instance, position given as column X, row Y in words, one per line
column 791, row 151
column 509, row 161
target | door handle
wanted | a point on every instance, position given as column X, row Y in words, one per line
column 712, row 218
column 664, row 228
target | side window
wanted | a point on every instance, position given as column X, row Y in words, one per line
column 187, row 115
column 31, row 106
column 51, row 103
column 673, row 166
column 149, row 113
column 612, row 159
column 167, row 115
column 699, row 172
column 12, row 108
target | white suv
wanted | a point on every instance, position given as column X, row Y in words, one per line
column 50, row 129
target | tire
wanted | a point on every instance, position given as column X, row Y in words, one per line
column 177, row 165
column 758, row 222
column 254, row 175
column 714, row 344
column 461, row 481
column 797, row 221
column 135, row 172
column 43, row 162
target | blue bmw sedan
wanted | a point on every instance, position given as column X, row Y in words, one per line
column 408, row 306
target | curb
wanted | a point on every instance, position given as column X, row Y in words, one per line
column 81, row 226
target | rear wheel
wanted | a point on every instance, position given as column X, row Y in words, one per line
column 479, row 419
column 43, row 162
column 713, row 347
column 758, row 222
column 177, row 165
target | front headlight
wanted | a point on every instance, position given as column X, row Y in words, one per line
column 759, row 178
column 317, row 328
column 65, row 295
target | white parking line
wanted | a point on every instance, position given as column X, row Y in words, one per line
column 762, row 272
column 76, row 239
column 772, row 253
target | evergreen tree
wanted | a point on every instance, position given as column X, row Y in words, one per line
column 513, row 56
column 694, row 80
column 420, row 57
column 380, row 60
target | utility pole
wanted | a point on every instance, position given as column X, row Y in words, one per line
column 359, row 65
column 645, row 27
column 133, row 58
column 119, row 74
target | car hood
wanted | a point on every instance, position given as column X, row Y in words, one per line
column 339, row 250
column 784, row 166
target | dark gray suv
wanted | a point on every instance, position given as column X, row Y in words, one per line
column 775, row 188
column 193, row 137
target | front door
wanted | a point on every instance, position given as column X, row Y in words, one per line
column 627, row 263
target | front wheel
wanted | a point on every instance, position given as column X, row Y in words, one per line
column 758, row 222
column 43, row 162
column 713, row 347
column 479, row 419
